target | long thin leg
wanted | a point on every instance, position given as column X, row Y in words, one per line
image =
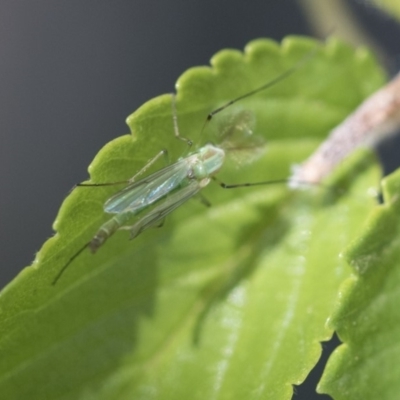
column 271, row 182
column 133, row 226
column 203, row 199
column 163, row 152
column 154, row 159
column 175, row 122
column 130, row 180
column 62, row 270
column 227, row 186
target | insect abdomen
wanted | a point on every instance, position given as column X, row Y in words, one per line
column 108, row 229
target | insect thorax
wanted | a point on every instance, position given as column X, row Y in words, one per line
column 206, row 162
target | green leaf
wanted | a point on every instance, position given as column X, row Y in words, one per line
column 391, row 7
column 225, row 302
column 367, row 365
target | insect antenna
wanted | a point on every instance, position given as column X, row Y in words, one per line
column 267, row 85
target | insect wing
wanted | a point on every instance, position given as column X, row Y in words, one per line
column 236, row 137
column 146, row 191
column 157, row 215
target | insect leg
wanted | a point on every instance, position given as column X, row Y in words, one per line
column 233, row 186
column 175, row 122
column 103, row 233
column 62, row 270
column 163, row 152
column 149, row 163
column 271, row 182
column 203, row 200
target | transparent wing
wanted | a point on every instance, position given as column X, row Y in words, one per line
column 235, row 135
column 235, row 126
column 146, row 191
column 157, row 214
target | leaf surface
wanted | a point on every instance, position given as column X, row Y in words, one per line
column 367, row 365
column 223, row 302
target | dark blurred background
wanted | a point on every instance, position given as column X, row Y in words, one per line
column 72, row 71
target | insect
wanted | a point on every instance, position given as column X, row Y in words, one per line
column 160, row 193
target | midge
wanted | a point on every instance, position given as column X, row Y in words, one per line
column 161, row 192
